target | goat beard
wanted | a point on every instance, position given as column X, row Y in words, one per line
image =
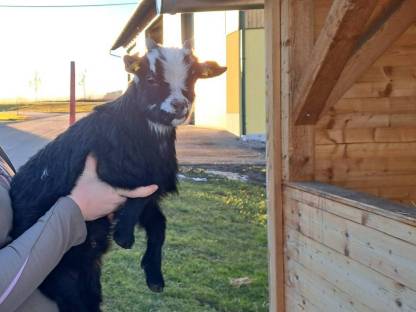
column 166, row 119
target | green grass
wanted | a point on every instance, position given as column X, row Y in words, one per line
column 216, row 232
column 49, row 107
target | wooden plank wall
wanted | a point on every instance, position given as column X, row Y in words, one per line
column 343, row 258
column 367, row 142
column 254, row 19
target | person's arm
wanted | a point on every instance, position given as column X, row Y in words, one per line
column 26, row 262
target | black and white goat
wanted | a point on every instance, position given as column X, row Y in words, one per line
column 133, row 140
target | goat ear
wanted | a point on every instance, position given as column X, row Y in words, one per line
column 151, row 44
column 211, row 69
column 132, row 63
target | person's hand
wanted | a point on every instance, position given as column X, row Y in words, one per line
column 96, row 198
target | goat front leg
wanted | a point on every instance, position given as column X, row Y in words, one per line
column 154, row 222
column 127, row 217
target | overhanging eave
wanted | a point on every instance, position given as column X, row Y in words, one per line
column 141, row 18
column 148, row 10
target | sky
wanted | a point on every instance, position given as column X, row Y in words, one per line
column 45, row 40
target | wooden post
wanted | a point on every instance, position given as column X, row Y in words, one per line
column 72, row 100
column 274, row 158
column 298, row 142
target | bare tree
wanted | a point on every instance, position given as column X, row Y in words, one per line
column 82, row 82
column 35, row 84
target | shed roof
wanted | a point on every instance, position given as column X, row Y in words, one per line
column 149, row 9
column 144, row 14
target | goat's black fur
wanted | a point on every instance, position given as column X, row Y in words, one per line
column 130, row 153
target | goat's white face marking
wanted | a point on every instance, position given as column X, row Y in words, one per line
column 152, row 56
column 175, row 75
column 175, row 69
column 167, row 107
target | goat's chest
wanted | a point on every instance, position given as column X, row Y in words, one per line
column 163, row 167
column 146, row 163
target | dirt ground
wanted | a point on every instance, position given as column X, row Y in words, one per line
column 203, row 151
column 196, row 145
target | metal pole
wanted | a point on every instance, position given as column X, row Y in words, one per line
column 72, row 101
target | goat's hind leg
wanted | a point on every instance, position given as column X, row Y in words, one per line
column 127, row 218
column 92, row 288
column 62, row 286
column 154, row 222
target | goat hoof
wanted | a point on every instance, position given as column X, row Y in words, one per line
column 156, row 288
column 124, row 241
column 155, row 281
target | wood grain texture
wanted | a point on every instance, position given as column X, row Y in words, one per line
column 344, row 254
column 274, row 157
column 254, row 19
column 385, row 105
column 378, row 116
column 313, row 286
column 366, row 135
column 298, row 302
column 379, row 293
column 333, row 48
column 378, row 251
column 395, row 25
column 297, row 141
column 357, row 207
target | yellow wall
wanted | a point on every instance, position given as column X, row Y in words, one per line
column 233, row 72
column 233, row 119
column 255, row 82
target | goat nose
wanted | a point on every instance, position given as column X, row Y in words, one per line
column 178, row 105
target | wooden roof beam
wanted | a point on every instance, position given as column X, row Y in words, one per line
column 334, row 46
column 181, row 6
column 148, row 10
column 380, row 40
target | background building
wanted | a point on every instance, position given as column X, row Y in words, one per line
column 235, row 101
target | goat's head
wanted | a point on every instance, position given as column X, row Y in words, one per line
column 166, row 78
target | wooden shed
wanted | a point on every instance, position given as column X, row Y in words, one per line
column 346, row 136
column 341, row 109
